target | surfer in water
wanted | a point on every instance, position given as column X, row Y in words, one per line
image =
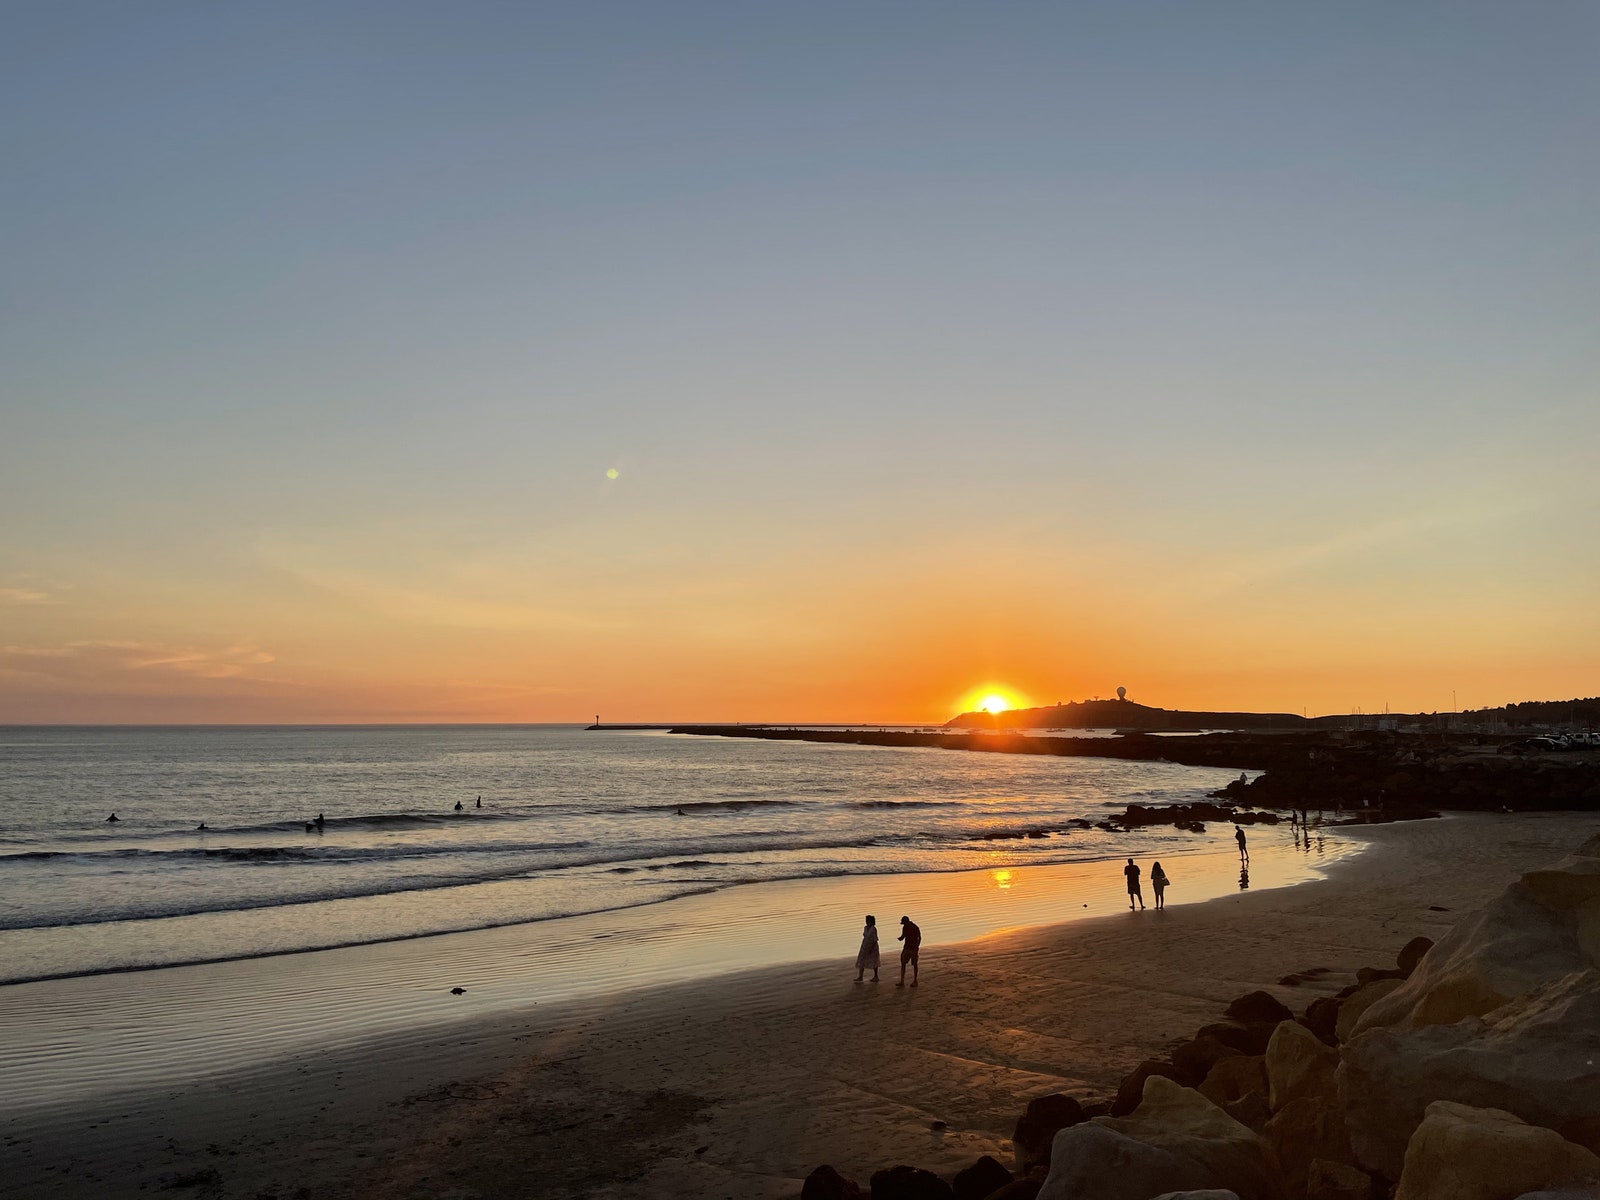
column 112, row 819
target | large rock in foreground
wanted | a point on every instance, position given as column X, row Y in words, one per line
column 1464, row 1153
column 1503, row 1013
column 1299, row 1065
column 1176, row 1140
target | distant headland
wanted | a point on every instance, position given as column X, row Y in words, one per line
column 1126, row 714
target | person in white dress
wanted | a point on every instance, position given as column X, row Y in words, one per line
column 867, row 957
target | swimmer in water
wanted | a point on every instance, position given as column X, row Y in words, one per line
column 201, row 827
column 113, row 817
column 479, row 804
column 680, row 813
column 460, row 806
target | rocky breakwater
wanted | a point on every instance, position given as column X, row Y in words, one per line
column 1469, row 1070
column 1502, row 1015
column 1400, row 775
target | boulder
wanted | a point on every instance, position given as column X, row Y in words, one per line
column 1131, row 1090
column 1235, row 1077
column 1412, row 953
column 827, row 1184
column 1525, row 939
column 1356, row 1005
column 1192, row 1061
column 1337, row 1181
column 1303, row 1131
column 1247, row 1037
column 1465, row 1153
column 1093, row 1160
column 1504, row 1013
column 1037, row 1127
column 1175, row 1140
column 1258, row 1006
column 1299, row 1065
column 909, row 1183
column 1538, row 1057
column 980, row 1180
column 1322, row 1018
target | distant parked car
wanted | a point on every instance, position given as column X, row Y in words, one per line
column 1529, row 745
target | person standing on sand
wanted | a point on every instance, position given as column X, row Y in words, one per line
column 911, row 935
column 1134, row 892
column 1238, row 836
column 867, row 956
column 1158, row 880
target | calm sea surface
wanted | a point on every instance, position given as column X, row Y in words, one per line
column 571, row 822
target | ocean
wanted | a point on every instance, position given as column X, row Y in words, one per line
column 571, row 822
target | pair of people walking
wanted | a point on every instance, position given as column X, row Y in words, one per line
column 1158, row 880
column 867, row 957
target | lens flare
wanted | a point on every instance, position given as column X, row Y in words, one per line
column 611, row 473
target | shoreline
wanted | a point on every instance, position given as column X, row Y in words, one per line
column 741, row 1083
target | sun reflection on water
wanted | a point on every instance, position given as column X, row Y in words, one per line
column 1002, row 880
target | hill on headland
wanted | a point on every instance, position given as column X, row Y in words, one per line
column 1121, row 714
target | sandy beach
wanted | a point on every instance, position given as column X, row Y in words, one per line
column 737, row 1084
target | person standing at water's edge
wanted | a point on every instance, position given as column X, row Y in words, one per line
column 1238, row 836
column 911, row 935
column 1134, row 891
column 867, row 956
column 1158, row 880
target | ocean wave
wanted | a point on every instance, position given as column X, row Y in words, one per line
column 559, row 858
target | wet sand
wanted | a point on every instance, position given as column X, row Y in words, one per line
column 729, row 1084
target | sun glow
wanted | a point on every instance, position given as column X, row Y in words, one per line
column 993, row 698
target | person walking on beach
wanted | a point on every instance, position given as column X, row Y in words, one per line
column 867, row 956
column 1158, row 880
column 1238, row 836
column 911, row 935
column 1134, row 891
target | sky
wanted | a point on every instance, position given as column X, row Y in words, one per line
column 1246, row 355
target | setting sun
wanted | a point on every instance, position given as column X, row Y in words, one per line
column 993, row 698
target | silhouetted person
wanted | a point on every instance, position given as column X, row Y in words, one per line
column 460, row 807
column 680, row 813
column 479, row 804
column 201, row 828
column 1134, row 892
column 112, row 819
column 1238, row 836
column 1158, row 880
column 867, row 956
column 911, row 935
column 320, row 822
